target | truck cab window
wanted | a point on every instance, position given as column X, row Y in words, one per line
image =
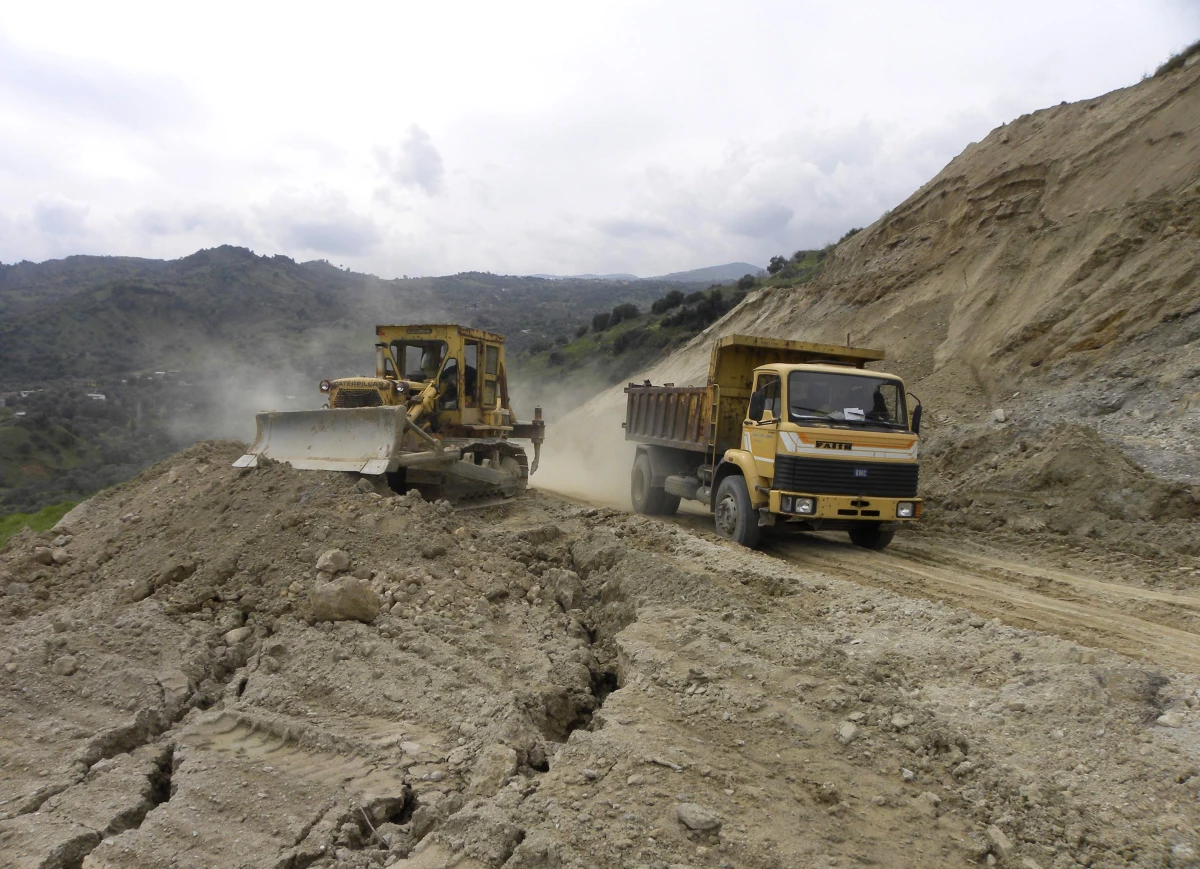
column 771, row 387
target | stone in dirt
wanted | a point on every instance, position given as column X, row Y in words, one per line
column 1170, row 719
column 237, row 635
column 333, row 561
column 346, row 599
column 492, row 768
column 1001, row 844
column 65, row 665
column 847, row 733
column 43, row 555
column 697, row 817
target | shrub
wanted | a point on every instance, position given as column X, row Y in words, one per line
column 776, row 265
column 694, row 297
column 581, row 331
column 745, row 282
column 671, row 300
column 623, row 312
column 561, row 340
column 850, row 233
column 600, row 322
column 556, row 358
column 1177, row 61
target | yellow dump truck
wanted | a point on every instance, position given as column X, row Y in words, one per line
column 786, row 433
column 435, row 417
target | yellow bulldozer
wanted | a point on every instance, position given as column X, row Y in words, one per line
column 435, row 417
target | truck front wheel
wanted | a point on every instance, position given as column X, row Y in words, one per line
column 870, row 536
column 735, row 517
column 647, row 499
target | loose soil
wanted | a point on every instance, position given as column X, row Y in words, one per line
column 552, row 684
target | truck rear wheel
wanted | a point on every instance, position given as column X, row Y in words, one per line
column 734, row 515
column 649, row 500
column 871, row 536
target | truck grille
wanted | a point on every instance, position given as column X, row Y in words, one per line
column 845, row 477
column 350, row 396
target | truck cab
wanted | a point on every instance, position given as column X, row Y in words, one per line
column 827, row 446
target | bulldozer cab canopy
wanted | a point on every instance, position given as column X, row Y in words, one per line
column 420, row 351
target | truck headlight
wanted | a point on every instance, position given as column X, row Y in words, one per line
column 806, row 506
column 326, row 385
column 905, row 509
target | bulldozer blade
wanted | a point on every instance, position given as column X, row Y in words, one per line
column 362, row 440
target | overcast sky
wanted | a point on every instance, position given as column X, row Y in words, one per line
column 431, row 138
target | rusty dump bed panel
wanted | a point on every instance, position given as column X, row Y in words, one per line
column 670, row 416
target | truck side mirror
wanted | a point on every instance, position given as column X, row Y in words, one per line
column 916, row 420
column 758, row 403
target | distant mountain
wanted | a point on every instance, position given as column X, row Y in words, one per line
column 711, row 274
column 619, row 276
column 93, row 316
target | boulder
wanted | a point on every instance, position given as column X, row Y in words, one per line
column 344, row 599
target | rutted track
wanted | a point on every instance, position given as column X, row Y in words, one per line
column 1158, row 626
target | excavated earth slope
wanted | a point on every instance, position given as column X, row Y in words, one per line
column 273, row 668
column 1050, row 272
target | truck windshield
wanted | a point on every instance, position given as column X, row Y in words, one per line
column 845, row 399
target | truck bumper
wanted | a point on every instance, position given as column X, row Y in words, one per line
column 845, row 507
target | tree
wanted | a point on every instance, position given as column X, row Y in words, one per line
column 746, row 282
column 623, row 312
column 600, row 322
column 561, row 340
column 581, row 331
column 776, row 265
column 671, row 300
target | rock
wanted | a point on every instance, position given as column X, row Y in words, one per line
column 1016, row 705
column 927, row 804
column 1030, row 863
column 566, row 586
column 977, row 622
column 17, row 589
column 60, row 556
column 902, row 720
column 492, row 768
column 362, row 572
column 238, row 635
column 1183, row 855
column 697, row 817
column 139, row 590
column 998, row 415
column 1002, row 846
column 43, row 555
column 343, row 600
column 847, row 733
column 333, row 561
column 1170, row 719
column 174, row 684
column 64, row 666
column 589, row 774
column 10, row 667
column 908, row 775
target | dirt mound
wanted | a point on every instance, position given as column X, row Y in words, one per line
column 542, row 685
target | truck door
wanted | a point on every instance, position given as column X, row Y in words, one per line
column 759, row 437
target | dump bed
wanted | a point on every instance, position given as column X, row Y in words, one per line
column 699, row 417
column 670, row 416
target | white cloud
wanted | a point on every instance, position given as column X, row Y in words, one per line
column 658, row 137
column 414, row 163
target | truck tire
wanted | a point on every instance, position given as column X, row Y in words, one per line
column 649, row 500
column 871, row 536
column 733, row 514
